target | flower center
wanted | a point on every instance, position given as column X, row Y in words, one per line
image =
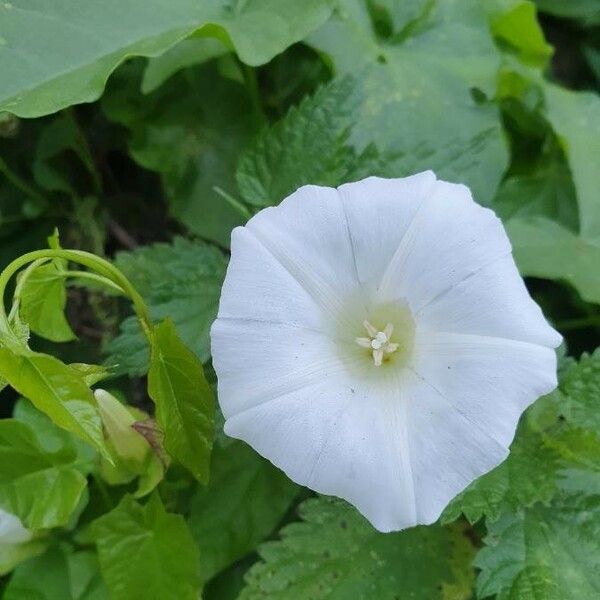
column 379, row 342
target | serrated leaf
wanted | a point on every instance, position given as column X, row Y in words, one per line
column 146, row 552
column 184, row 401
column 43, row 489
column 548, row 552
column 57, row 390
column 244, row 501
column 81, row 48
column 335, row 554
column 182, row 281
column 43, row 302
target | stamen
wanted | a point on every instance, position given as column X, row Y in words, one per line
column 378, row 341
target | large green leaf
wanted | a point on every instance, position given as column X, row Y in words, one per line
column 146, row 552
column 57, row 390
column 412, row 81
column 184, row 401
column 191, row 132
column 244, row 501
column 43, row 489
column 60, row 573
column 335, row 554
column 181, row 280
column 548, row 552
column 586, row 11
column 61, row 53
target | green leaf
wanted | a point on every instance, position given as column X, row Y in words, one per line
column 146, row 552
column 60, row 573
column 409, row 86
column 184, row 401
column 310, row 145
column 43, row 302
column 12, row 555
column 243, row 503
column 586, row 11
column 81, row 48
column 543, row 248
column 43, row 489
column 57, row 390
column 545, row 552
column 193, row 51
column 181, row 280
column 575, row 117
column 191, row 132
column 335, row 554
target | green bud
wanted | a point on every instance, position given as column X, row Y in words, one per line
column 118, row 421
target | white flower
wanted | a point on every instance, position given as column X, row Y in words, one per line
column 377, row 343
column 12, row 530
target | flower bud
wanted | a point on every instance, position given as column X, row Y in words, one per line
column 118, row 421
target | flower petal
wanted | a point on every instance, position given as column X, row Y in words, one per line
column 379, row 212
column 450, row 238
column 257, row 287
column 489, row 380
column 336, row 439
column 447, row 451
column 492, row 302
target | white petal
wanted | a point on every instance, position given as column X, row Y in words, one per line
column 450, row 238
column 258, row 362
column 339, row 440
column 257, row 287
column 379, row 211
column 447, row 450
column 308, row 234
column 492, row 302
column 489, row 380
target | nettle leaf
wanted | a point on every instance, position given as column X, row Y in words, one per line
column 335, row 554
column 436, row 65
column 184, row 401
column 59, row 573
column 42, row 488
column 81, row 48
column 43, row 302
column 310, row 145
column 146, row 552
column 543, row 552
column 243, row 503
column 57, row 390
column 181, row 280
column 191, row 132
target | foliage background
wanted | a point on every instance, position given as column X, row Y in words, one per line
column 145, row 130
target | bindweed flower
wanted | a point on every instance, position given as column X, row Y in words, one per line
column 12, row 530
column 377, row 343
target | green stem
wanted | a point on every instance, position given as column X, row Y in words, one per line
column 86, row 259
column 21, row 283
column 253, row 92
column 581, row 323
column 96, row 279
column 236, row 204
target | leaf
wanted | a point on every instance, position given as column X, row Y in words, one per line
column 545, row 552
column 43, row 489
column 81, row 48
column 12, row 555
column 191, row 132
column 586, row 11
column 189, row 52
column 184, row 401
column 57, row 390
column 543, row 248
column 243, row 503
column 410, row 85
column 146, row 552
column 181, row 280
column 335, row 554
column 310, row 145
column 43, row 302
column 60, row 573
